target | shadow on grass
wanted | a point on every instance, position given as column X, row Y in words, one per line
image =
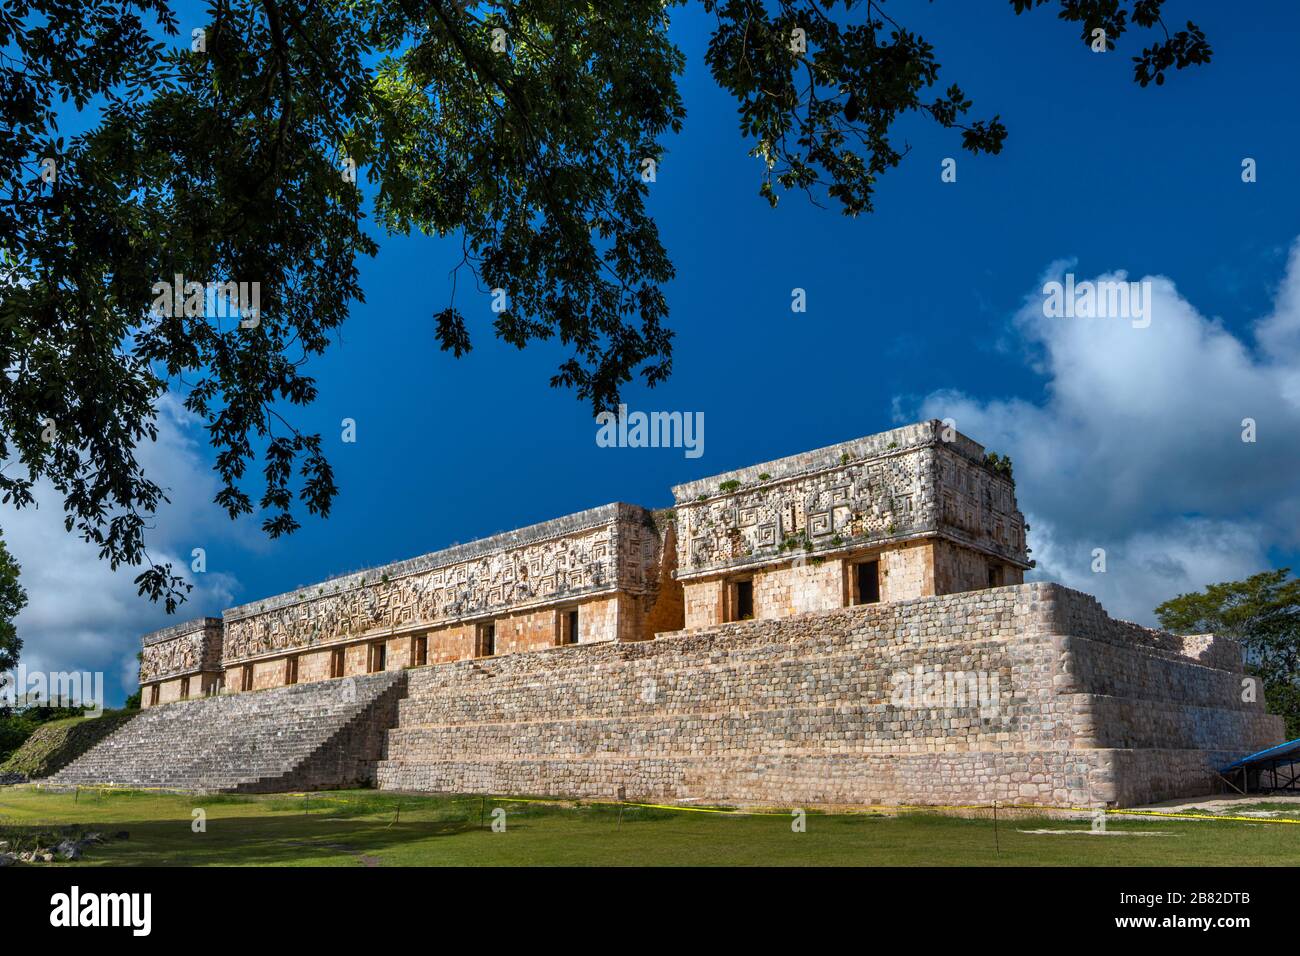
column 367, row 828
column 268, row 841
column 318, row 829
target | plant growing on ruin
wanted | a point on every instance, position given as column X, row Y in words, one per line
column 794, row 542
column 529, row 131
column 1000, row 464
column 727, row 487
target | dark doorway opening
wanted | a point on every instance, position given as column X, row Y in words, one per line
column 868, row 582
column 487, row 640
column 744, row 600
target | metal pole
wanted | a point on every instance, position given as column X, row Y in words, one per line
column 997, row 846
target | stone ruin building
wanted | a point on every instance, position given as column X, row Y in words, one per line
column 844, row 626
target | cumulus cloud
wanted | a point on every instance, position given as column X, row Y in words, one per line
column 83, row 616
column 1136, row 445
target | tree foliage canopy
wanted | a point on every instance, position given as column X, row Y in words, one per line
column 12, row 600
column 523, row 128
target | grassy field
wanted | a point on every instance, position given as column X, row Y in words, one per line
column 365, row 828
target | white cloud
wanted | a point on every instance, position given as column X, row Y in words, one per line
column 1136, row 446
column 83, row 616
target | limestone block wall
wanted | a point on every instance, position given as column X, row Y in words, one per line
column 798, row 589
column 770, row 512
column 181, row 660
column 313, row 666
column 907, row 570
column 598, row 551
column 976, row 505
column 268, row 674
column 168, row 692
column 703, row 603
column 920, row 480
column 665, row 609
column 610, row 564
column 954, row 568
column 919, row 499
column 1014, row 694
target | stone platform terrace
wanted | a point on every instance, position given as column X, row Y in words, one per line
column 1076, row 709
column 1025, row 693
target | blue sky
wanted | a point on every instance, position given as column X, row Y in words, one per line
column 916, row 309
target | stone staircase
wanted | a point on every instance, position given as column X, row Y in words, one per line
column 306, row 737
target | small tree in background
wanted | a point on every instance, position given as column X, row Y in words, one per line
column 12, row 600
column 1263, row 612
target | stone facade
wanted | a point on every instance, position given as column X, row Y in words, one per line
column 847, row 625
column 920, row 502
column 181, row 661
column 599, row 575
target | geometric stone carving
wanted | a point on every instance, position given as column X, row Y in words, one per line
column 903, row 483
column 584, row 554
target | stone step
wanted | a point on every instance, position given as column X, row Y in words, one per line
column 311, row 736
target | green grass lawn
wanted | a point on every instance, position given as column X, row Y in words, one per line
column 365, row 828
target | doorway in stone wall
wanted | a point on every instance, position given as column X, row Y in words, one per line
column 742, row 595
column 486, row 640
column 866, row 582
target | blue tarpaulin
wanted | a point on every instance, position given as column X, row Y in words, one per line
column 1277, row 768
column 1288, row 752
